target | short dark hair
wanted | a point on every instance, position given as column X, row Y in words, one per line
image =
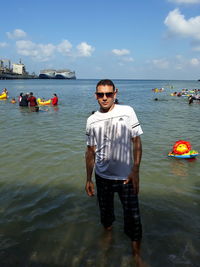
column 105, row 82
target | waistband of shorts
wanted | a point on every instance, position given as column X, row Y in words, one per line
column 111, row 181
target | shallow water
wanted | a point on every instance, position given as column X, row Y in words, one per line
column 46, row 219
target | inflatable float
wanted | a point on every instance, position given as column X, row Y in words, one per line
column 182, row 150
column 158, row 90
column 43, row 103
column 3, row 96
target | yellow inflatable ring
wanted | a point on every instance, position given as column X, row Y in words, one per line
column 43, row 103
column 3, row 96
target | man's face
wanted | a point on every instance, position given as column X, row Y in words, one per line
column 106, row 97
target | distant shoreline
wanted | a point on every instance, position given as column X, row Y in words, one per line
column 96, row 79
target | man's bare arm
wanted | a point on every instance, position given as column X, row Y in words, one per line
column 90, row 161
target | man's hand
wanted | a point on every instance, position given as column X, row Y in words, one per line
column 89, row 188
column 134, row 179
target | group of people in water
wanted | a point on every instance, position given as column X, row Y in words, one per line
column 192, row 94
column 185, row 92
column 29, row 100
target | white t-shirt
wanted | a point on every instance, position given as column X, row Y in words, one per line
column 111, row 133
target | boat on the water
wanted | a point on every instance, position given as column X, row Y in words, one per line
column 14, row 70
column 47, row 74
column 18, row 71
column 57, row 74
column 12, row 76
column 65, row 74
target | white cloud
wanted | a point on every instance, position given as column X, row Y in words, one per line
column 181, row 62
column 128, row 59
column 120, row 52
column 3, row 44
column 160, row 63
column 39, row 52
column 195, row 62
column 64, row 47
column 26, row 48
column 175, row 64
column 45, row 52
column 16, row 34
column 177, row 24
column 47, row 49
column 84, row 49
column 185, row 1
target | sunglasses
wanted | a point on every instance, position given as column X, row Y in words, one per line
column 101, row 95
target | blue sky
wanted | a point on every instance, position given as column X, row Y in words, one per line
column 130, row 39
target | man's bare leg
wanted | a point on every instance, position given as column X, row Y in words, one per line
column 136, row 245
column 109, row 228
column 136, row 248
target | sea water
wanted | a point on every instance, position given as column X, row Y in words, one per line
column 46, row 218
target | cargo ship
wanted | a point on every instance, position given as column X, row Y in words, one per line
column 14, row 70
column 57, row 74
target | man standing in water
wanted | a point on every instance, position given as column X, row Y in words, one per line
column 111, row 132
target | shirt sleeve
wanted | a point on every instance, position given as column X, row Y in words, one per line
column 135, row 127
column 90, row 135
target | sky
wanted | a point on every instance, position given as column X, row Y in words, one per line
column 129, row 39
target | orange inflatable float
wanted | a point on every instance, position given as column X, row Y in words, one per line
column 182, row 149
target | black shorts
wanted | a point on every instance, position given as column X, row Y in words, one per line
column 105, row 194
